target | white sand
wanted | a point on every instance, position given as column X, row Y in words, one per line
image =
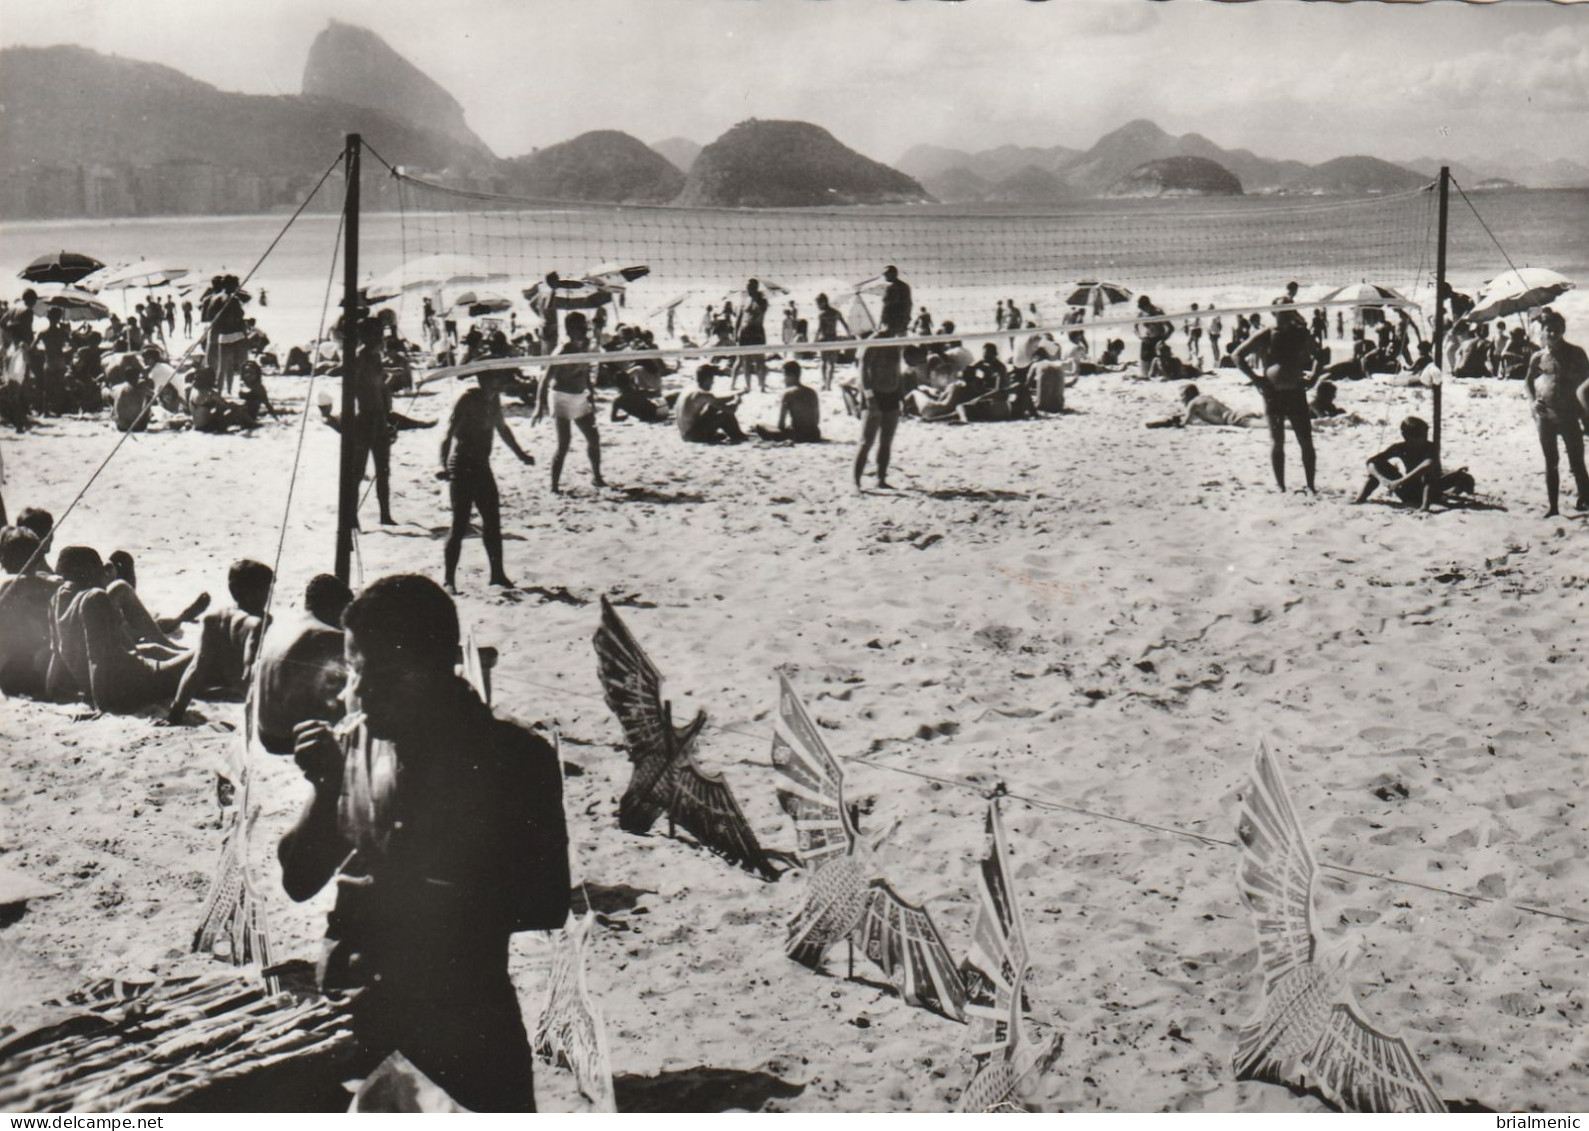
column 994, row 619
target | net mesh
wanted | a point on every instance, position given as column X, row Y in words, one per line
column 965, row 266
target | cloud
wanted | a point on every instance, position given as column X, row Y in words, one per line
column 1548, row 72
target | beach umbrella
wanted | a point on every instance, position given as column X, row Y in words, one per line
column 1519, row 290
column 616, row 275
column 78, row 306
column 672, row 304
column 479, row 303
column 836, row 289
column 60, row 267
column 1094, row 294
column 131, row 275
column 432, row 273
column 1365, row 294
column 570, row 295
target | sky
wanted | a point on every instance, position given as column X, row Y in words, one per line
column 1280, row 77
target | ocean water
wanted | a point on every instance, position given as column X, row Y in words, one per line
column 960, row 260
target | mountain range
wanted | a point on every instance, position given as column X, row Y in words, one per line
column 131, row 138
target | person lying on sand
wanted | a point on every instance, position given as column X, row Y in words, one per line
column 300, row 670
column 1414, row 480
column 93, row 658
column 475, row 422
column 228, row 640
column 438, row 862
column 1558, row 387
column 1204, row 408
column 704, row 417
column 799, row 410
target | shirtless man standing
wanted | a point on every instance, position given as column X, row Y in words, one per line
column 752, row 332
column 1293, row 366
column 1558, row 387
column 567, row 390
column 466, row 465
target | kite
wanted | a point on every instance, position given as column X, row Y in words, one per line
column 667, row 780
column 1309, row 1028
column 233, row 924
column 571, row 1027
column 844, row 900
column 994, row 973
column 477, row 665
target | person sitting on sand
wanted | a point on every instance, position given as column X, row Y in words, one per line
column 1205, row 408
column 133, row 398
column 1323, row 405
column 466, row 465
column 799, row 411
column 300, row 670
column 1292, row 368
column 1558, row 388
column 93, row 656
column 251, row 390
column 1049, row 379
column 704, row 417
column 24, row 616
column 1167, row 367
column 988, row 385
column 42, row 523
column 1109, row 360
column 228, row 640
column 212, row 412
column 1414, row 480
column 632, row 401
column 1150, row 333
column 568, row 390
column 1513, row 364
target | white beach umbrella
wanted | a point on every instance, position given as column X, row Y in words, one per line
column 1519, row 290
column 131, row 275
column 616, row 275
column 432, row 273
column 76, row 305
column 672, row 304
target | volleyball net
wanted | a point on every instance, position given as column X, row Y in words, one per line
column 475, row 259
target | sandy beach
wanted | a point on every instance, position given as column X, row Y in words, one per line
column 1101, row 617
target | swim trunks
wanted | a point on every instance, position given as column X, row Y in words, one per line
column 571, row 406
column 885, row 403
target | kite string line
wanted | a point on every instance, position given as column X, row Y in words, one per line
column 1045, row 803
column 125, row 436
column 303, row 427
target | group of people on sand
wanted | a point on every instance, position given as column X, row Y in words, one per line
column 125, row 370
column 437, row 860
column 1284, row 363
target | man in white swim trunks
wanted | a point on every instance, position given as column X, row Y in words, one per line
column 568, row 391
